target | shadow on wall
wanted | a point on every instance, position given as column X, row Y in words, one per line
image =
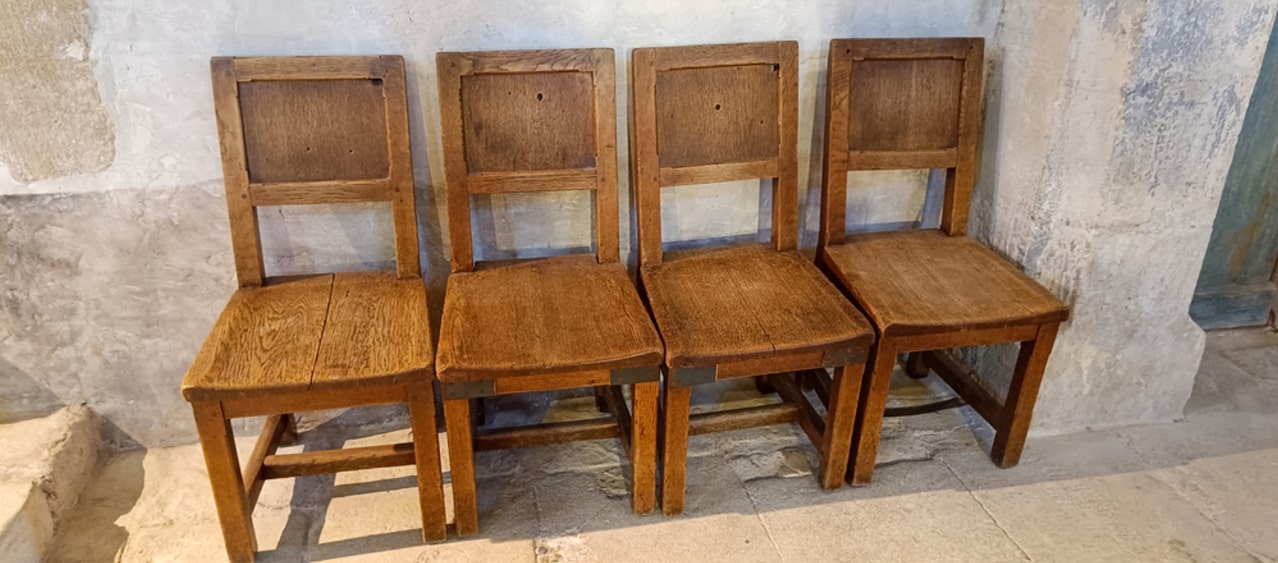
column 22, row 397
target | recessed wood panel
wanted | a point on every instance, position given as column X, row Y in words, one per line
column 716, row 115
column 314, row 130
column 528, row 121
column 904, row 105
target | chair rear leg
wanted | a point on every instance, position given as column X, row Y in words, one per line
column 461, row 458
column 914, row 366
column 873, row 401
column 233, row 512
column 674, row 449
column 430, row 482
column 840, row 421
column 643, row 445
column 1018, row 408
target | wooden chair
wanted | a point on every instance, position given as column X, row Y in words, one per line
column 530, row 121
column 308, row 130
column 915, row 103
column 714, row 114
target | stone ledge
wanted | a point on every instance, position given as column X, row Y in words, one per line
column 44, row 465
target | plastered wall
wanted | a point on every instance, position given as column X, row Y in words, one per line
column 115, row 257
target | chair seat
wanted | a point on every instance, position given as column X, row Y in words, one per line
column 543, row 317
column 312, row 333
column 923, row 281
column 747, row 302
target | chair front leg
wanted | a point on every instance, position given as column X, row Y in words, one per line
column 873, row 401
column 643, row 445
column 233, row 512
column 674, row 465
column 840, row 421
column 461, row 461
column 1018, row 408
column 430, row 486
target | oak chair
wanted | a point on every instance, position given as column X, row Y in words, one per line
column 298, row 131
column 909, row 104
column 531, row 121
column 720, row 113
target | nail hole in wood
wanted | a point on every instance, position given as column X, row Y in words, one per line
column 717, row 107
column 377, row 82
column 539, row 96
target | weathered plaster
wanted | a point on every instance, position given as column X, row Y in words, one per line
column 1105, row 148
column 1112, row 128
column 53, row 120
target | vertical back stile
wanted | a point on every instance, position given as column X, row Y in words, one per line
column 643, row 83
column 450, row 67
column 607, row 246
column 403, row 202
column 785, row 192
column 834, row 170
column 246, row 243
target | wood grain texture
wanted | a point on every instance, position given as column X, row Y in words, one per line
column 377, row 332
column 749, row 417
column 924, row 281
column 430, row 478
column 552, row 382
column 528, row 121
column 747, row 302
column 543, row 316
column 717, row 115
column 265, row 341
column 644, row 431
column 313, row 399
column 461, row 466
column 310, row 130
column 314, row 130
column 273, row 430
column 870, row 406
column 246, row 242
column 836, row 436
column 316, row 333
column 674, row 446
column 233, row 511
column 902, row 103
column 282, row 466
column 1018, row 407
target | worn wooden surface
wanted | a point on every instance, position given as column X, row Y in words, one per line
column 308, row 130
column 528, row 121
column 902, row 103
column 924, row 281
column 543, row 316
column 747, row 302
column 313, row 333
column 916, row 103
column 714, row 113
column 313, row 130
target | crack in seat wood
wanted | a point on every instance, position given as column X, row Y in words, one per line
column 915, row 103
column 718, row 113
column 529, row 121
column 308, row 130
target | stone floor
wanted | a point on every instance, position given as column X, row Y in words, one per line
column 1203, row 489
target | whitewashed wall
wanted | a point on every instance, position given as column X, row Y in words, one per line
column 116, row 257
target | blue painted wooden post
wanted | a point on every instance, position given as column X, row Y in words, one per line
column 1236, row 287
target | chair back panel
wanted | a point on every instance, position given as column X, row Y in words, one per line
column 715, row 113
column 528, row 121
column 901, row 104
column 313, row 130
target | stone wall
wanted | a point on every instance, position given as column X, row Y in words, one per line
column 116, row 257
column 1110, row 127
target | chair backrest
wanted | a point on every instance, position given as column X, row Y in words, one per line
column 715, row 113
column 313, row 130
column 901, row 104
column 529, row 121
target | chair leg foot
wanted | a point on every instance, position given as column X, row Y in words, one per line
column 1022, row 394
column 461, row 457
column 873, row 401
column 233, row 512
column 643, row 446
column 836, row 441
column 430, row 482
column 675, row 448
